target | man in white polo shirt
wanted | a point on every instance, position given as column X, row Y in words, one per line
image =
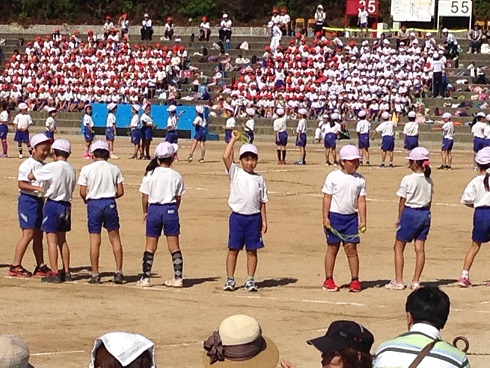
column 437, row 69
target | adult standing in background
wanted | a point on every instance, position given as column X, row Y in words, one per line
column 225, row 29
column 320, row 17
column 362, row 19
column 146, row 28
column 475, row 36
column 124, row 25
column 402, row 36
column 437, row 69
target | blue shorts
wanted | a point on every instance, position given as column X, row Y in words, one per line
column 56, row 217
column 282, row 139
column 21, row 136
column 87, row 134
column 478, row 144
column 411, row 142
column 245, row 230
column 344, row 224
column 162, row 217
column 481, row 225
column 200, row 134
column 172, row 136
column 388, row 143
column 4, row 129
column 363, row 140
column 110, row 133
column 102, row 212
column 135, row 136
column 147, row 133
column 49, row 134
column 330, row 140
column 447, row 144
column 252, row 137
column 414, row 224
column 301, row 140
column 228, row 134
column 363, row 25
column 30, row 210
column 487, row 142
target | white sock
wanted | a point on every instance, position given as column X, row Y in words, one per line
column 465, row 274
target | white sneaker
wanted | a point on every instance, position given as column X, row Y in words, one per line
column 414, row 285
column 144, row 282
column 393, row 285
column 175, row 283
column 114, row 156
column 21, row 156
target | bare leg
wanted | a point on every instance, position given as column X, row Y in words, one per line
column 115, row 240
column 231, row 260
column 94, row 252
column 20, row 249
column 193, row 148
column 399, row 247
column 350, row 250
column 203, row 149
column 330, row 257
column 383, row 156
column 52, row 239
column 65, row 251
column 420, row 259
column 470, row 255
column 151, row 244
column 37, row 246
column 173, row 243
column 449, row 157
column 252, row 261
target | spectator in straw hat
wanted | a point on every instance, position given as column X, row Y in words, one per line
column 14, row 352
column 239, row 343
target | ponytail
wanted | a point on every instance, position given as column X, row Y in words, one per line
column 425, row 165
column 486, row 180
column 152, row 165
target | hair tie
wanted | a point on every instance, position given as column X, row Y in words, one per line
column 425, row 163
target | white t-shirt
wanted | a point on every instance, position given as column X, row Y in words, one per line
column 363, row 16
column 335, row 129
column 162, row 185
column 250, row 125
column 59, row 179
column 4, row 117
column 417, row 190
column 486, row 132
column 301, row 128
column 386, row 128
column 23, row 121
column 345, row 190
column 478, row 129
column 230, row 123
column 172, row 122
column 111, row 120
column 135, row 121
column 363, row 126
column 475, row 193
column 25, row 169
column 437, row 66
column 411, row 128
column 87, row 121
column 50, row 124
column 247, row 191
column 101, row 179
column 226, row 24
column 199, row 121
column 280, row 125
column 146, row 120
column 448, row 130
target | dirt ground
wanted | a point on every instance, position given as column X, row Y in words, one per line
column 60, row 322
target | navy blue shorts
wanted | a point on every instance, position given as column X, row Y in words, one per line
column 282, row 139
column 56, row 217
column 228, row 134
column 135, row 136
column 414, row 224
column 330, row 140
column 102, row 212
column 487, row 142
column 363, row 140
column 301, row 140
column 162, row 217
column 344, row 224
column 388, row 143
column 87, row 134
column 478, row 144
column 363, row 25
column 245, row 230
column 30, row 210
column 49, row 134
column 110, row 133
column 147, row 133
column 481, row 225
column 4, row 129
column 411, row 142
column 21, row 136
column 172, row 136
column 251, row 136
column 200, row 134
column 447, row 144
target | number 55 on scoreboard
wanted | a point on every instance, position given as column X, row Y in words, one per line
column 455, row 8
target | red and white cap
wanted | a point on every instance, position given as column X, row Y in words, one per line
column 99, row 145
column 38, row 139
column 166, row 150
column 418, row 154
column 349, row 152
column 62, row 145
column 249, row 148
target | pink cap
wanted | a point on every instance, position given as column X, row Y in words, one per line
column 62, row 145
column 349, row 152
column 248, row 148
column 483, row 156
column 418, row 154
column 99, row 145
column 38, row 139
column 166, row 150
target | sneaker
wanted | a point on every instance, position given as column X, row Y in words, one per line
column 175, row 283
column 86, row 155
column 142, row 157
column 201, row 161
column 94, row 279
column 440, row 167
column 328, row 163
column 393, row 285
column 355, row 286
column 335, row 163
column 42, row 271
column 391, row 166
column 329, row 285
column 251, row 286
column 367, row 163
column 21, row 156
column 382, row 165
column 299, row 163
column 118, row 278
column 113, row 156
column 414, row 285
column 230, row 285
column 19, row 271
column 144, row 282
column 464, row 282
column 4, row 156
column 66, row 276
column 134, row 157
column 190, row 159
column 447, row 167
column 52, row 278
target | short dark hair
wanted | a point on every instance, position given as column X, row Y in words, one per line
column 102, row 153
column 249, row 154
column 429, row 305
column 61, row 153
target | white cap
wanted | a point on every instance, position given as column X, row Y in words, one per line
column 320, row 6
column 249, row 148
column 362, row 114
column 166, row 150
column 250, row 111
column 172, row 108
column 62, row 145
column 349, row 152
column 225, row 15
column 302, row 111
column 488, row 117
column 14, row 352
column 22, row 106
column 38, row 139
column 446, row 115
column 280, row 112
column 385, row 115
column 325, row 116
column 418, row 154
column 335, row 116
column 99, row 145
column 428, row 34
column 136, row 107
column 111, row 106
column 480, row 115
column 51, row 109
column 200, row 109
column 412, row 114
column 483, row 156
column 146, row 15
column 444, row 30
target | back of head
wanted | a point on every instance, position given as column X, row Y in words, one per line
column 429, row 305
column 104, row 359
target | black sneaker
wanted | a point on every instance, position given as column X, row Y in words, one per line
column 440, row 167
column 52, row 278
column 118, row 278
column 391, row 166
column 367, row 163
column 94, row 279
column 382, row 165
column 447, row 167
column 66, row 276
